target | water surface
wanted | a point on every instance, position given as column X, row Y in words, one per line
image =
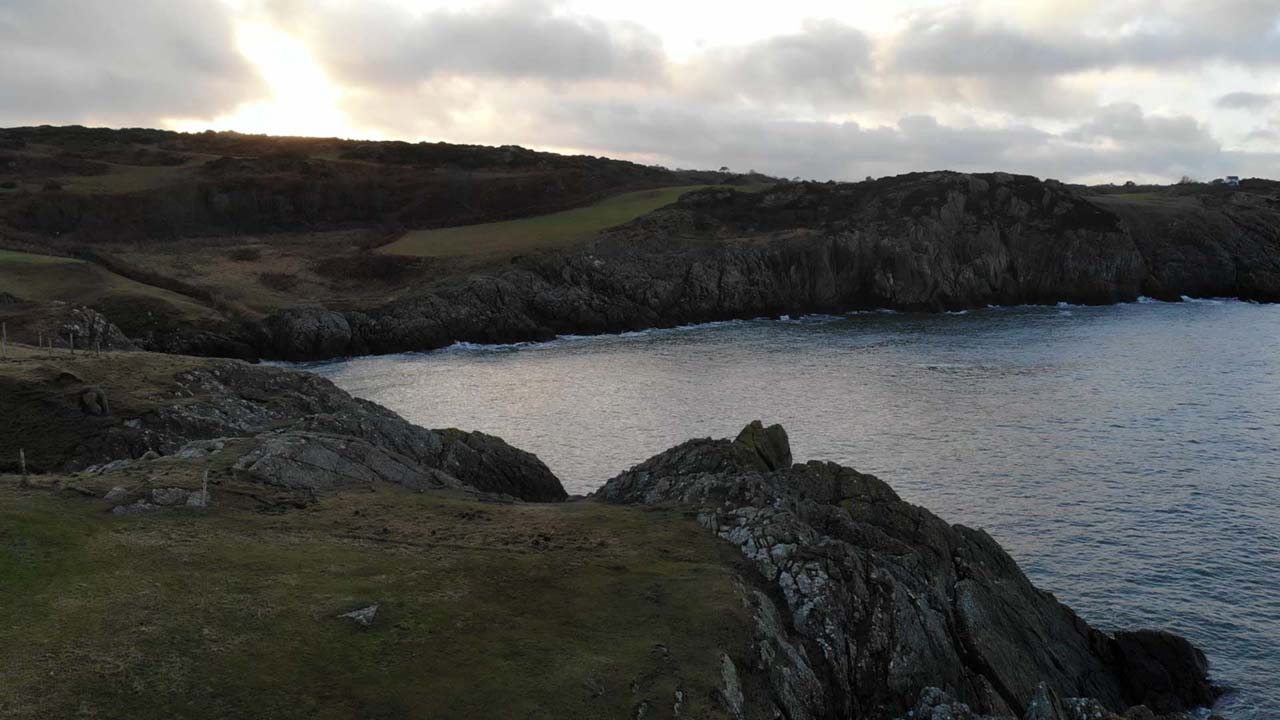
column 1128, row 456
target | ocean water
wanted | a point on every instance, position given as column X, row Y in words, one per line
column 1128, row 456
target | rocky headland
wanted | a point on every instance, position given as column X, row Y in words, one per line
column 926, row 241
column 769, row 588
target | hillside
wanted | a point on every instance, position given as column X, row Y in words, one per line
column 296, row 248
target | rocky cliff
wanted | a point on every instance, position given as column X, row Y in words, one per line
column 923, row 242
column 867, row 606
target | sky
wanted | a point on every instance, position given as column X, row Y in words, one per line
column 1078, row 90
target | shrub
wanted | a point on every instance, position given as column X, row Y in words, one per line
column 282, row 282
column 366, row 267
column 246, row 254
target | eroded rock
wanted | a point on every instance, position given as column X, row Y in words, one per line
column 878, row 599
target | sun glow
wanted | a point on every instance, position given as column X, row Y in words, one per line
column 303, row 99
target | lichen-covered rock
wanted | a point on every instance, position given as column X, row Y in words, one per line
column 320, row 463
column 867, row 599
column 300, row 418
column 116, row 495
column 169, row 497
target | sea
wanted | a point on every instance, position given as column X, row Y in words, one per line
column 1127, row 456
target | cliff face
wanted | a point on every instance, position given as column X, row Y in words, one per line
column 924, row 242
column 864, row 601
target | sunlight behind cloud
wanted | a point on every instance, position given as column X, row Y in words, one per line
column 304, row 101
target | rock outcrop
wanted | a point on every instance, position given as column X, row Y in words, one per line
column 863, row 601
column 923, row 242
column 287, row 429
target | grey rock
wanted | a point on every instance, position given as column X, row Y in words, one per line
column 168, row 497
column 116, row 495
column 110, row 467
column 731, row 688
column 318, row 463
column 200, row 449
column 935, row 704
column 232, row 400
column 199, row 499
column 880, row 599
column 363, row 616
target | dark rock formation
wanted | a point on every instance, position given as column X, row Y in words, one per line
column 864, row 601
column 301, row 432
column 924, row 242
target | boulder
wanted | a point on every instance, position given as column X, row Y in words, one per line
column 93, row 401
column 116, row 495
column 308, row 334
column 1165, row 671
column 199, row 499
column 169, row 497
column 769, row 445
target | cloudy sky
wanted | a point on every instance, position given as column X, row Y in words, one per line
column 1093, row 90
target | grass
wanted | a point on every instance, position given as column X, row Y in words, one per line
column 556, row 230
column 485, row 610
column 41, row 388
column 41, row 278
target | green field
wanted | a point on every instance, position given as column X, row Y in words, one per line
column 44, row 278
column 555, row 230
column 485, row 610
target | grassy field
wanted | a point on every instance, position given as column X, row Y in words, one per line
column 41, row 278
column 556, row 230
column 484, row 610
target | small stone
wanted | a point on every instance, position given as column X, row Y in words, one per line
column 198, row 499
column 364, row 616
column 150, row 455
column 116, row 495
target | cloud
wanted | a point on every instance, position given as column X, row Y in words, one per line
column 953, row 41
column 1120, row 141
column 1256, row 102
column 825, row 64
column 80, row 60
column 384, row 45
column 980, row 85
